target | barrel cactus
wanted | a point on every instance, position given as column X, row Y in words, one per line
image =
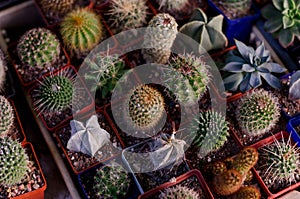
column 13, row 162
column 56, row 7
column 211, row 132
column 247, row 192
column 111, row 181
column 81, row 31
column 146, row 107
column 2, row 70
column 6, row 116
column 257, row 112
column 104, row 72
column 55, row 93
column 38, row 47
column 172, row 5
column 127, row 14
column 179, row 191
column 159, row 38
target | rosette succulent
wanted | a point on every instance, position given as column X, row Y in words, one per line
column 294, row 90
column 249, row 67
column 283, row 20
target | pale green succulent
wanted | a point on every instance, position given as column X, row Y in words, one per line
column 294, row 90
column 249, row 66
column 283, row 20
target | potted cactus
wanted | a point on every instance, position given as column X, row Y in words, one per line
column 20, row 172
column 239, row 17
column 6, row 82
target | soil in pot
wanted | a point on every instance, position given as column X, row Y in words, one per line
column 82, row 161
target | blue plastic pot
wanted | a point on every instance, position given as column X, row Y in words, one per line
column 240, row 28
column 291, row 129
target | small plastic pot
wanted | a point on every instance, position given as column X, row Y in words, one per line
column 291, row 128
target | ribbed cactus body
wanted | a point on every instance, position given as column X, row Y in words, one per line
column 257, row 112
column 111, row 182
column 179, row 191
column 13, row 162
column 127, row 14
column 159, row 38
column 146, row 107
column 81, row 30
column 6, row 116
column 56, row 6
column 38, row 47
column 2, row 70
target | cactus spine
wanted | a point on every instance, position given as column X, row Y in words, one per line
column 257, row 112
column 2, row 70
column 146, row 107
column 159, row 38
column 111, row 182
column 81, row 31
column 172, row 5
column 13, row 162
column 6, row 116
column 58, row 7
column 127, row 14
column 38, row 47
column 245, row 160
column 179, row 192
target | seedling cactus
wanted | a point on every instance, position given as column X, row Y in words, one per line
column 38, row 47
column 257, row 112
column 6, row 116
column 179, row 191
column 13, row 162
column 159, row 38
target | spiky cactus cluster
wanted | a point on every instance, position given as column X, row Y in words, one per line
column 55, row 93
column 38, row 47
column 179, row 191
column 59, row 7
column 104, row 71
column 146, row 107
column 13, row 162
column 248, row 192
column 159, row 38
column 111, row 182
column 2, row 69
column 210, row 132
column 239, row 8
column 6, row 116
column 257, row 112
column 127, row 14
column 81, row 30
column 194, row 69
column 172, row 5
column 281, row 162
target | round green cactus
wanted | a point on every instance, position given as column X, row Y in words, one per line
column 210, row 132
column 2, row 70
column 159, row 38
column 6, row 116
column 55, row 93
column 257, row 112
column 81, row 30
column 38, row 47
column 57, row 6
column 111, row 182
column 146, row 107
column 179, row 191
column 13, row 162
column 127, row 14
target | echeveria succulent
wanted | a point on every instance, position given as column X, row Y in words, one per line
column 249, row 66
column 294, row 90
column 283, row 20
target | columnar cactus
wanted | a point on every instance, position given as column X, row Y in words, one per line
column 104, row 72
column 172, row 5
column 38, row 47
column 247, row 192
column 257, row 112
column 212, row 132
column 127, row 14
column 281, row 162
column 194, row 69
column 146, row 107
column 59, row 7
column 6, row 116
column 55, row 93
column 81, row 30
column 13, row 162
column 2, row 70
column 111, row 182
column 228, row 182
column 179, row 191
column 218, row 167
column 159, row 38
column 245, row 160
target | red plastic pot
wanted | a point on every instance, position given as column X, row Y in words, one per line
column 86, row 108
column 38, row 193
column 268, row 141
column 62, row 145
column 178, row 180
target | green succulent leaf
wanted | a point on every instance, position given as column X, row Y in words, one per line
column 294, row 90
column 273, row 25
column 269, row 11
column 245, row 84
column 261, row 51
column 271, row 80
column 286, row 37
column 234, row 67
column 279, row 4
column 193, row 29
column 198, row 15
column 248, row 68
column 243, row 49
column 287, row 22
column 289, row 4
column 255, row 80
column 232, row 82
